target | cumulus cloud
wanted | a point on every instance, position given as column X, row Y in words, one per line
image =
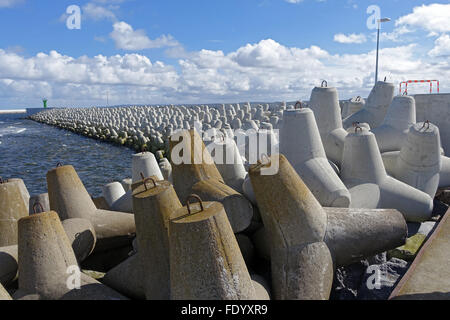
column 432, row 18
column 442, row 47
column 125, row 37
column 263, row 71
column 129, row 69
column 351, row 38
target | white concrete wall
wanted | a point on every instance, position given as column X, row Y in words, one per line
column 436, row 108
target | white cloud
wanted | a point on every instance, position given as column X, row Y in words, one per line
column 263, row 71
column 129, row 69
column 351, row 38
column 433, row 18
column 294, row 1
column 9, row 3
column 97, row 12
column 125, row 37
column 442, row 46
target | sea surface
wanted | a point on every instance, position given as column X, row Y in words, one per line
column 29, row 149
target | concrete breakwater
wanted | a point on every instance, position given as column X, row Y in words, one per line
column 312, row 222
column 149, row 128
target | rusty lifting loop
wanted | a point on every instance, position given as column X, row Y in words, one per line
column 405, row 93
column 385, row 78
column 35, row 208
column 298, row 105
column 358, row 127
column 147, row 180
column 358, row 99
column 59, row 164
column 263, row 162
column 188, row 203
column 326, row 84
column 427, row 122
column 142, row 176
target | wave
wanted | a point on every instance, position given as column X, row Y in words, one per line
column 11, row 130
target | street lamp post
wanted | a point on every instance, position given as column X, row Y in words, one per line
column 380, row 21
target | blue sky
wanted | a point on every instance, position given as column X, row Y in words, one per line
column 207, row 51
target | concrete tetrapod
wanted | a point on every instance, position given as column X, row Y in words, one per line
column 205, row 260
column 8, row 264
column 23, row 190
column 258, row 143
column 112, row 192
column 401, row 115
column 127, row 277
column 324, row 103
column 70, row 199
column 155, row 203
column 194, row 171
column 4, row 295
column 419, row 162
column 12, row 208
column 145, row 163
column 444, row 174
column 428, row 277
column 374, row 111
column 166, row 169
column 229, row 162
column 247, row 190
column 43, row 201
column 352, row 106
column 354, row 234
column 309, row 160
column 142, row 164
column 363, row 172
column 126, row 184
column 47, row 261
column 125, row 203
column 81, row 235
column 190, row 161
column 302, row 266
column 303, row 236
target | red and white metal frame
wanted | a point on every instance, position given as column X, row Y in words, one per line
column 418, row 81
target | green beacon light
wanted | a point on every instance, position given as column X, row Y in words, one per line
column 45, row 103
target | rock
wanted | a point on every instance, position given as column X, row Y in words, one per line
column 423, row 228
column 347, row 281
column 444, row 196
column 97, row 275
column 378, row 259
column 379, row 280
column 439, row 209
column 408, row 251
column 418, row 233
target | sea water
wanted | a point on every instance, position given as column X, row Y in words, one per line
column 29, row 149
